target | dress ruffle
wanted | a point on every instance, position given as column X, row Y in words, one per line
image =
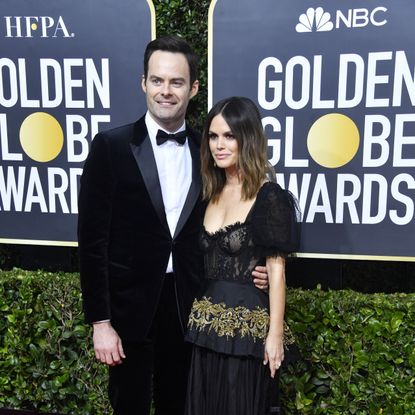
column 231, row 318
column 220, row 384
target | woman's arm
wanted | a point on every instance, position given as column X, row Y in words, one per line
column 274, row 348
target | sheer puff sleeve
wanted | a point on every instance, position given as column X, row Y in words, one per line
column 275, row 221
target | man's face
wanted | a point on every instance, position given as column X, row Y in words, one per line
column 167, row 88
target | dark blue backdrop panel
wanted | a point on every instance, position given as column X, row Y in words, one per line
column 76, row 64
column 302, row 62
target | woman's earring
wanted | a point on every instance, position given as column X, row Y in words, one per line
column 214, row 162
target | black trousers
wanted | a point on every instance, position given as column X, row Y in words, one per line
column 155, row 368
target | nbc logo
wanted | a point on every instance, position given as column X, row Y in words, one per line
column 319, row 20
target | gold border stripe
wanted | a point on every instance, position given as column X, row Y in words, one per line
column 37, row 242
column 298, row 255
column 356, row 257
column 153, row 19
column 210, row 53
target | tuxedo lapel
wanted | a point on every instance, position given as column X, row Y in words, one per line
column 195, row 186
column 144, row 156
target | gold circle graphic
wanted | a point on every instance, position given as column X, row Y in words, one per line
column 33, row 26
column 333, row 140
column 41, row 137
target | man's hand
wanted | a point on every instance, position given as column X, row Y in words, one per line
column 260, row 277
column 107, row 344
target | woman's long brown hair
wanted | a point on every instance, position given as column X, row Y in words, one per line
column 244, row 120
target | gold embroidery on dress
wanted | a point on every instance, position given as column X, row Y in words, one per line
column 229, row 322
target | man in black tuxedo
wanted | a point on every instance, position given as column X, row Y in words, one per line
column 139, row 217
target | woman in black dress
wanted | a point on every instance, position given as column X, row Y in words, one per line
column 237, row 330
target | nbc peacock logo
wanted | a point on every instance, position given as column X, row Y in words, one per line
column 319, row 20
column 314, row 20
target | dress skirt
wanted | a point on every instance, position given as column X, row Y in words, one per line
column 222, row 384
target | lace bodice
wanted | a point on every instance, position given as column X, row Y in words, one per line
column 231, row 253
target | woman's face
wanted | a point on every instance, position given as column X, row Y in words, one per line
column 223, row 144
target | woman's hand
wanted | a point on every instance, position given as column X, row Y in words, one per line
column 274, row 352
column 274, row 347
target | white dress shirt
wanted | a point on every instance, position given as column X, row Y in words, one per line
column 174, row 167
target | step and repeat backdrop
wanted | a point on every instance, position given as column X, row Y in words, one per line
column 335, row 84
column 334, row 81
column 68, row 69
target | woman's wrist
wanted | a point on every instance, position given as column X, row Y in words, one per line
column 276, row 332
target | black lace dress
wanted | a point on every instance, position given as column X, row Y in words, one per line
column 229, row 323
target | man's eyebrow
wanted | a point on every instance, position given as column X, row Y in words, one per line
column 172, row 80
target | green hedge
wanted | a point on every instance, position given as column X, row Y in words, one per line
column 46, row 357
column 188, row 19
column 358, row 350
column 358, row 353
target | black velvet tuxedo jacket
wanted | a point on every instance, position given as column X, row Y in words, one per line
column 124, row 238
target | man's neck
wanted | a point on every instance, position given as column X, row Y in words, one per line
column 169, row 127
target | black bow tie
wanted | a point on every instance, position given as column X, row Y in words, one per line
column 162, row 137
